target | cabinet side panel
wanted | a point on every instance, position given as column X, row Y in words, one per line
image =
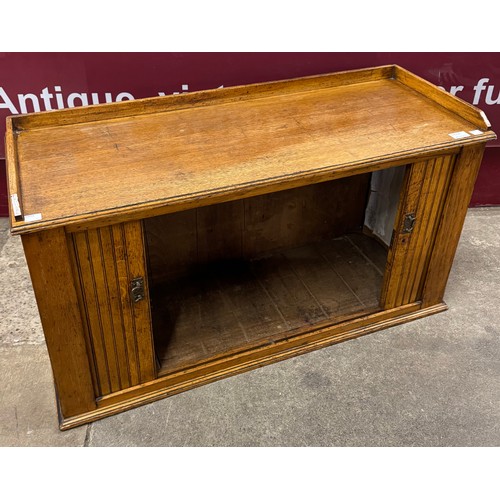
column 50, row 269
column 423, row 198
column 119, row 330
column 451, row 222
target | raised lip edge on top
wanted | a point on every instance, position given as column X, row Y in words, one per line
column 18, row 123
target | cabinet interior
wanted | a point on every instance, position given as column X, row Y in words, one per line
column 233, row 276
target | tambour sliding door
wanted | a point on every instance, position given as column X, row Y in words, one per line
column 423, row 197
column 110, row 263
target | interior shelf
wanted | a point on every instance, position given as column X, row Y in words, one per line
column 230, row 305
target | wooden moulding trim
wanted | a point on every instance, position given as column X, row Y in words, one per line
column 193, row 200
column 175, row 383
column 277, row 349
column 200, row 98
column 445, row 99
column 251, row 91
column 14, row 187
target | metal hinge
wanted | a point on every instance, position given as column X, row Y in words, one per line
column 409, row 223
column 137, row 289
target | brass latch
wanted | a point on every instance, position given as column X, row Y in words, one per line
column 137, row 289
column 409, row 223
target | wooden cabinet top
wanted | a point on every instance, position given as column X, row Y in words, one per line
column 129, row 159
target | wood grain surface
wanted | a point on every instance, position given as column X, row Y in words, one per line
column 119, row 331
column 248, row 360
column 236, row 206
column 451, row 220
column 238, row 229
column 423, row 197
column 236, row 304
column 169, row 158
column 51, row 274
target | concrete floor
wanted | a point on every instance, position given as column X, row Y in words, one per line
column 432, row 382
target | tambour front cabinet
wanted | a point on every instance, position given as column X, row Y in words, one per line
column 177, row 240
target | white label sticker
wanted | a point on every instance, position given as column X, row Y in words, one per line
column 15, row 205
column 459, row 135
column 485, row 118
column 476, row 132
column 32, row 217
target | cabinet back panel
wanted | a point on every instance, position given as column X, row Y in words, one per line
column 253, row 226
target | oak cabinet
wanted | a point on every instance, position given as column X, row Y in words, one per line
column 177, row 240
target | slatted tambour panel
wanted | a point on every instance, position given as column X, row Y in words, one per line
column 427, row 184
column 119, row 331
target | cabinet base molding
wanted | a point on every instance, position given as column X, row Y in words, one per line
column 240, row 363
